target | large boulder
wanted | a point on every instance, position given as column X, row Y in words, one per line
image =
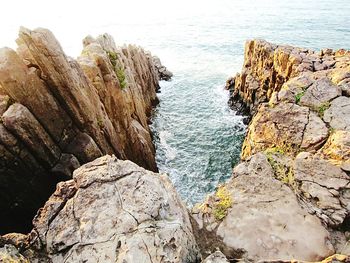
column 258, row 217
column 113, row 211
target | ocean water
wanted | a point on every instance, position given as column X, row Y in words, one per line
column 197, row 137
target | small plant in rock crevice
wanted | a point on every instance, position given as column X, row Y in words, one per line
column 118, row 69
column 322, row 108
column 282, row 172
column 223, row 202
column 299, row 96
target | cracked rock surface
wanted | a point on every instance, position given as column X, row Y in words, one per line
column 113, row 211
column 265, row 220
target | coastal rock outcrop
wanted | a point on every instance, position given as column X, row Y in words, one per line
column 257, row 217
column 112, row 211
column 58, row 113
column 289, row 198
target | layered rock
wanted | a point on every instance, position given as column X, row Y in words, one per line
column 112, row 211
column 289, row 198
column 59, row 113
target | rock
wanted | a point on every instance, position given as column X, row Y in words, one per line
column 337, row 147
column 319, row 93
column 315, row 134
column 269, row 69
column 337, row 116
column 9, row 253
column 19, row 120
column 115, row 211
column 325, row 186
column 163, row 73
column 258, row 225
column 216, row 257
column 281, row 126
column 59, row 113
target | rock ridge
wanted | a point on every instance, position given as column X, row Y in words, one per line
column 58, row 113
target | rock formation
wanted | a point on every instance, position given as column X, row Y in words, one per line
column 288, row 199
column 58, row 113
column 290, row 196
column 112, row 211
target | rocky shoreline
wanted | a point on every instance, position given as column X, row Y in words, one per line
column 288, row 199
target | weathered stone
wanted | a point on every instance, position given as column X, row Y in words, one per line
column 115, row 211
column 338, row 114
column 259, row 225
column 325, row 186
column 281, row 126
column 163, row 72
column 83, row 109
column 315, row 133
column 9, row 254
column 337, row 148
column 319, row 93
column 19, row 120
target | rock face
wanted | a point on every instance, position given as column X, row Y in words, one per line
column 59, row 113
column 264, row 221
column 289, row 198
column 112, row 211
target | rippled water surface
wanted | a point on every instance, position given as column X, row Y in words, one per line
column 198, row 139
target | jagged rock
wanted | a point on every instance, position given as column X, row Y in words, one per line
column 315, row 133
column 9, row 254
column 114, row 211
column 60, row 113
column 307, row 110
column 264, row 221
column 326, row 187
column 319, row 93
column 337, row 116
column 19, row 120
column 163, row 72
column 337, row 147
column 216, row 257
column 269, row 69
column 282, row 126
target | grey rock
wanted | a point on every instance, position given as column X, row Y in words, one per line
column 319, row 93
column 115, row 211
column 259, row 225
column 337, row 116
column 324, row 186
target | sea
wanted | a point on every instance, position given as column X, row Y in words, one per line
column 197, row 137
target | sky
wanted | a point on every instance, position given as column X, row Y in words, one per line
column 72, row 20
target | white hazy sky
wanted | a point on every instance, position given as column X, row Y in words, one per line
column 71, row 20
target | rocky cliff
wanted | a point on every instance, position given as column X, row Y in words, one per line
column 58, row 113
column 288, row 199
column 290, row 196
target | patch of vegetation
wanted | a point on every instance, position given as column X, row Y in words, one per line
column 287, row 149
column 222, row 204
column 321, row 109
column 283, row 173
column 121, row 77
column 118, row 69
column 275, row 149
column 299, row 96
